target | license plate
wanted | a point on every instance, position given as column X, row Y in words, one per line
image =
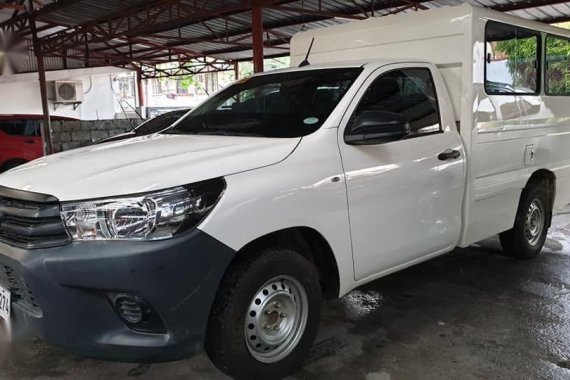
column 5, row 327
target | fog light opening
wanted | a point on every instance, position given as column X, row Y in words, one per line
column 136, row 313
column 130, row 308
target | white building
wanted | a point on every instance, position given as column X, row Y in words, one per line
column 103, row 95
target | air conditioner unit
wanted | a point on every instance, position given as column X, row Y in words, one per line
column 66, row 91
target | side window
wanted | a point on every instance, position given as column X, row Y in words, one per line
column 13, row 127
column 512, row 63
column 32, row 128
column 557, row 72
column 409, row 93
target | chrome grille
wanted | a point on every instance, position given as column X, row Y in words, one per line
column 29, row 220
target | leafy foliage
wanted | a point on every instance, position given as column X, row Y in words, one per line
column 188, row 81
column 558, row 66
column 521, row 54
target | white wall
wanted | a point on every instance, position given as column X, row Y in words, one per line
column 20, row 93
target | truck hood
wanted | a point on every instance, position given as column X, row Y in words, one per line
column 145, row 164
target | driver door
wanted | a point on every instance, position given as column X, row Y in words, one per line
column 404, row 195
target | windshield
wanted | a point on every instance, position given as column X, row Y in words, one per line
column 290, row 104
column 159, row 123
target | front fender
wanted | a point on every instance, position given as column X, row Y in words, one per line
column 298, row 191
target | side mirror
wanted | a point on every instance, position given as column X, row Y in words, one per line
column 375, row 127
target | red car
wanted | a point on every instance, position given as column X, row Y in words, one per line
column 20, row 139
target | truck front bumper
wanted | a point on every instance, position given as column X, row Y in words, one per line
column 64, row 295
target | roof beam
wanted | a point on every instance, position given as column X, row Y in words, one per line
column 174, row 42
column 306, row 19
column 148, row 54
column 139, row 25
column 415, row 4
column 116, row 60
column 54, row 6
column 315, row 12
column 158, row 17
column 15, row 24
column 192, row 67
column 556, row 20
column 267, row 26
column 525, row 4
column 123, row 13
column 398, row 10
column 273, row 44
column 169, row 15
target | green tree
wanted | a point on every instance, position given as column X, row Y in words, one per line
column 521, row 55
column 557, row 71
column 188, row 81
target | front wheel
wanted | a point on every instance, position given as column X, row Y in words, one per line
column 265, row 316
column 527, row 237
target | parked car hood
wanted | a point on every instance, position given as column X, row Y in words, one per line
column 145, row 164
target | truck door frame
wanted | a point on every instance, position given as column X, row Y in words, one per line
column 369, row 265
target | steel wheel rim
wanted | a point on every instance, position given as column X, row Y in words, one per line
column 276, row 319
column 534, row 224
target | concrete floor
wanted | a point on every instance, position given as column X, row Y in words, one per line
column 473, row 314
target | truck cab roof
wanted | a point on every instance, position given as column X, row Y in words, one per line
column 373, row 63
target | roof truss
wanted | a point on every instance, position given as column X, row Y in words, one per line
column 153, row 32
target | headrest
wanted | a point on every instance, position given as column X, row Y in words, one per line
column 383, row 89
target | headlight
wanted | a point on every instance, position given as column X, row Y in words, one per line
column 151, row 216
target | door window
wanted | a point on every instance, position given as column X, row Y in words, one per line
column 409, row 93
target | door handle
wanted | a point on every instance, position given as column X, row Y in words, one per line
column 29, row 141
column 449, row 154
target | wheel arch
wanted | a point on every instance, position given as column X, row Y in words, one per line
column 540, row 177
column 309, row 243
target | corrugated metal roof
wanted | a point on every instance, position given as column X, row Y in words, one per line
column 86, row 11
column 221, row 28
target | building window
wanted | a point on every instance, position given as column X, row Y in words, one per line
column 512, row 60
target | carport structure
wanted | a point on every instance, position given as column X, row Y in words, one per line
column 196, row 36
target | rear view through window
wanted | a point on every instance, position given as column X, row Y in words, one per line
column 557, row 73
column 276, row 105
column 512, row 59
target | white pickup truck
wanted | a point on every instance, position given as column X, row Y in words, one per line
column 227, row 229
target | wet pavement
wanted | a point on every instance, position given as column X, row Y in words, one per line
column 471, row 314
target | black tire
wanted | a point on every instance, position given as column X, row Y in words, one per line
column 226, row 343
column 519, row 241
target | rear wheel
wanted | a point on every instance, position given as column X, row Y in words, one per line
column 265, row 316
column 527, row 237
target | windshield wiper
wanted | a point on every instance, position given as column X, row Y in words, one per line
column 221, row 132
